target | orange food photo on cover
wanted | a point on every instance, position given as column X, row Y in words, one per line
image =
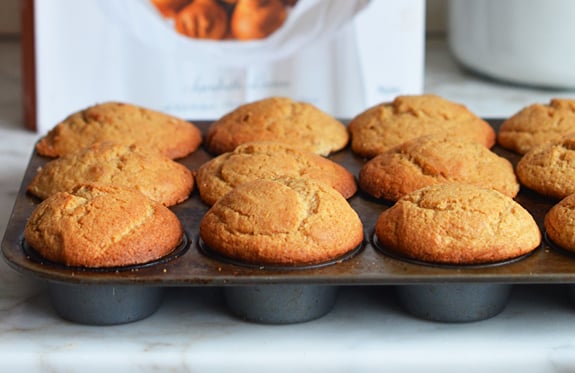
column 257, row 19
column 203, row 19
column 169, row 8
column 239, row 20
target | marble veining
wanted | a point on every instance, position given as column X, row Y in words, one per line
column 366, row 332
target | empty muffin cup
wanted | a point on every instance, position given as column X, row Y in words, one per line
column 454, row 302
column 570, row 290
column 280, row 304
column 97, row 304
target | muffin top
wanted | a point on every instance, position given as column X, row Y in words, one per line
column 549, row 168
column 457, row 224
column 121, row 123
column 102, row 226
column 559, row 223
column 268, row 160
column 389, row 124
column 434, row 159
column 155, row 175
column 278, row 119
column 285, row 221
column 537, row 124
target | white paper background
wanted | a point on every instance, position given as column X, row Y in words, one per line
column 332, row 53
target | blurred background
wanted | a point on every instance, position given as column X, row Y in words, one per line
column 495, row 56
column 10, row 23
column 9, row 18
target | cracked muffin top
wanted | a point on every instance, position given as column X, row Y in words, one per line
column 559, row 223
column 389, row 124
column 125, row 124
column 279, row 119
column 549, row 169
column 102, row 226
column 537, row 124
column 268, row 160
column 457, row 224
column 433, row 159
column 286, row 221
column 156, row 176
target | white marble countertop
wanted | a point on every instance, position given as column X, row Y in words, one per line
column 366, row 331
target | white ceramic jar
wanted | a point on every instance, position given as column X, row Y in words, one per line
column 528, row 42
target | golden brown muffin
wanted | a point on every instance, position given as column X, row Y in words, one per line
column 559, row 223
column 549, row 169
column 169, row 8
column 102, row 226
column 257, row 19
column 202, row 19
column 386, row 125
column 123, row 124
column 154, row 175
column 284, row 221
column 277, row 119
column 457, row 224
column 537, row 124
column 268, row 160
column 433, row 159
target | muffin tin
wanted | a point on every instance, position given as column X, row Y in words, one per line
column 284, row 295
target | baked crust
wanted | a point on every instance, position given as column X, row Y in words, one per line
column 559, row 223
column 156, row 176
column 549, row 169
column 389, row 124
column 537, row 124
column 121, row 123
column 457, row 224
column 102, row 226
column 277, row 119
column 433, row 159
column 268, row 160
column 285, row 221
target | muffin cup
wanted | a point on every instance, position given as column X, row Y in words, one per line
column 570, row 289
column 454, row 302
column 96, row 304
column 280, row 304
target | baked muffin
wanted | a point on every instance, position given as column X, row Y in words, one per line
column 389, row 124
column 277, row 119
column 537, row 124
column 268, row 160
column 257, row 19
column 154, row 175
column 549, row 169
column 559, row 223
column 457, row 224
column 282, row 222
column 121, row 123
column 202, row 19
column 169, row 8
column 102, row 226
column 434, row 159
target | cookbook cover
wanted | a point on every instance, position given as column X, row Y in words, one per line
column 198, row 59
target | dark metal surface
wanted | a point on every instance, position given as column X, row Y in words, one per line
column 454, row 302
column 368, row 267
column 280, row 304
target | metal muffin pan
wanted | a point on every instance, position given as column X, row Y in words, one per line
column 279, row 303
column 367, row 267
